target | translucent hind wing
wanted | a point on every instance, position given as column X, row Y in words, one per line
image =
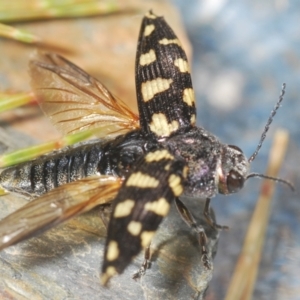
column 74, row 101
column 56, row 207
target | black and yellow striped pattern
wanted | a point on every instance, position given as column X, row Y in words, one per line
column 163, row 81
column 143, row 201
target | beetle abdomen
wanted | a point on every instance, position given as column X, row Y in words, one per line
column 52, row 170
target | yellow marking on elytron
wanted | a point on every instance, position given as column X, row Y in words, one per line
column 124, row 208
column 112, row 251
column 185, row 171
column 146, row 238
column 150, row 16
column 109, row 272
column 189, row 96
column 167, row 167
column 175, row 185
column 158, row 155
column 147, row 58
column 193, row 119
column 160, row 207
column 167, row 42
column 142, row 181
column 182, row 65
column 134, row 228
column 149, row 29
column 152, row 87
column 160, row 125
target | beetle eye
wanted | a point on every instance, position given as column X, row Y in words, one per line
column 234, row 181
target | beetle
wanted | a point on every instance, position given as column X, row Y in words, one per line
column 139, row 163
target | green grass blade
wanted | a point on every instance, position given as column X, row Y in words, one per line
column 30, row 153
column 17, row 34
column 8, row 102
column 19, row 10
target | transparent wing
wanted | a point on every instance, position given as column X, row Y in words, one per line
column 56, row 207
column 75, row 101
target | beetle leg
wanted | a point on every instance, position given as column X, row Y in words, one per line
column 145, row 265
column 191, row 222
column 208, row 217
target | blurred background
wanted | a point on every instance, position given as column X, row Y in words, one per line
column 242, row 52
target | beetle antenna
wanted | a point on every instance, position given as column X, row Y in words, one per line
column 272, row 178
column 263, row 136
